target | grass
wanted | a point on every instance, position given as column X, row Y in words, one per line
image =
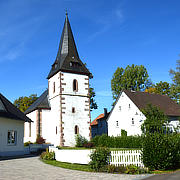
column 83, row 148
column 83, row 167
column 74, row 148
column 79, row 167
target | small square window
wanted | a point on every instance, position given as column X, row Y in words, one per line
column 132, row 121
column 73, row 109
column 119, row 108
column 117, row 124
column 12, row 137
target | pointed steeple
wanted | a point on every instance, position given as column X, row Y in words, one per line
column 67, row 59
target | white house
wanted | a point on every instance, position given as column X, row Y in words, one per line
column 127, row 115
column 63, row 110
column 11, row 128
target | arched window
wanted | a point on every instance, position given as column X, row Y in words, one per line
column 75, row 85
column 76, row 130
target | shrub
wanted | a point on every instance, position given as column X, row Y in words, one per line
column 88, row 145
column 132, row 169
column 47, row 155
column 27, row 143
column 118, row 169
column 40, row 140
column 160, row 148
column 99, row 158
column 118, row 142
column 111, row 168
column 123, row 132
column 161, row 151
column 80, row 140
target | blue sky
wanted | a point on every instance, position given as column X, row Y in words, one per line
column 108, row 34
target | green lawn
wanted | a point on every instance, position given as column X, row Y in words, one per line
column 65, row 165
column 83, row 148
column 82, row 167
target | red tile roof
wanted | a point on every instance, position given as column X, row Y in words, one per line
column 95, row 122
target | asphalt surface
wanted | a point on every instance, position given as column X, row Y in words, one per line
column 170, row 176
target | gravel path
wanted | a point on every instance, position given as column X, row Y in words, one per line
column 33, row 168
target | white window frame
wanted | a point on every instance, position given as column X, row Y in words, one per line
column 12, row 137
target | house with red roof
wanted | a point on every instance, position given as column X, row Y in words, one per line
column 99, row 125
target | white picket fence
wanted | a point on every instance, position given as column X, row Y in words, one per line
column 122, row 157
column 126, row 157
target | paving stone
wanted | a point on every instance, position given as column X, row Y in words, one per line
column 33, row 169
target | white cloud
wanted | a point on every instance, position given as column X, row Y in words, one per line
column 119, row 15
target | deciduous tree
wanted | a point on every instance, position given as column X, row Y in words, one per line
column 133, row 77
column 175, row 87
column 24, row 102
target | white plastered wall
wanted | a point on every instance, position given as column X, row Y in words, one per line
column 33, row 135
column 78, row 100
column 8, row 125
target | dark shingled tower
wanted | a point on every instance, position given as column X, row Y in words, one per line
column 67, row 59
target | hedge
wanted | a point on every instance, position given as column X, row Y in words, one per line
column 118, row 142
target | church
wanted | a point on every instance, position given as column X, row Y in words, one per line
column 63, row 110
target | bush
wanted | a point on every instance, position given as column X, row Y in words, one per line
column 118, row 169
column 130, row 169
column 118, row 142
column 40, row 140
column 47, row 155
column 27, row 143
column 88, row 145
column 99, row 159
column 123, row 132
column 161, row 151
column 80, row 141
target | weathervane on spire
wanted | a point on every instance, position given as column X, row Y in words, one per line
column 66, row 12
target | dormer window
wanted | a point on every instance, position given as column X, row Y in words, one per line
column 75, row 85
column 74, row 64
column 54, row 66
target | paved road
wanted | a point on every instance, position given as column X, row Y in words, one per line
column 170, row 176
column 32, row 168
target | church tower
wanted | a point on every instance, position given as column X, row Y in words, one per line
column 68, row 85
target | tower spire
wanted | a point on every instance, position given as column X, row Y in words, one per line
column 67, row 58
column 66, row 13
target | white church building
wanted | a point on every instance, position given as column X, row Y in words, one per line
column 63, row 110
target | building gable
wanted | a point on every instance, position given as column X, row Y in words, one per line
column 8, row 110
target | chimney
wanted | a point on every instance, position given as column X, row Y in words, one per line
column 105, row 112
